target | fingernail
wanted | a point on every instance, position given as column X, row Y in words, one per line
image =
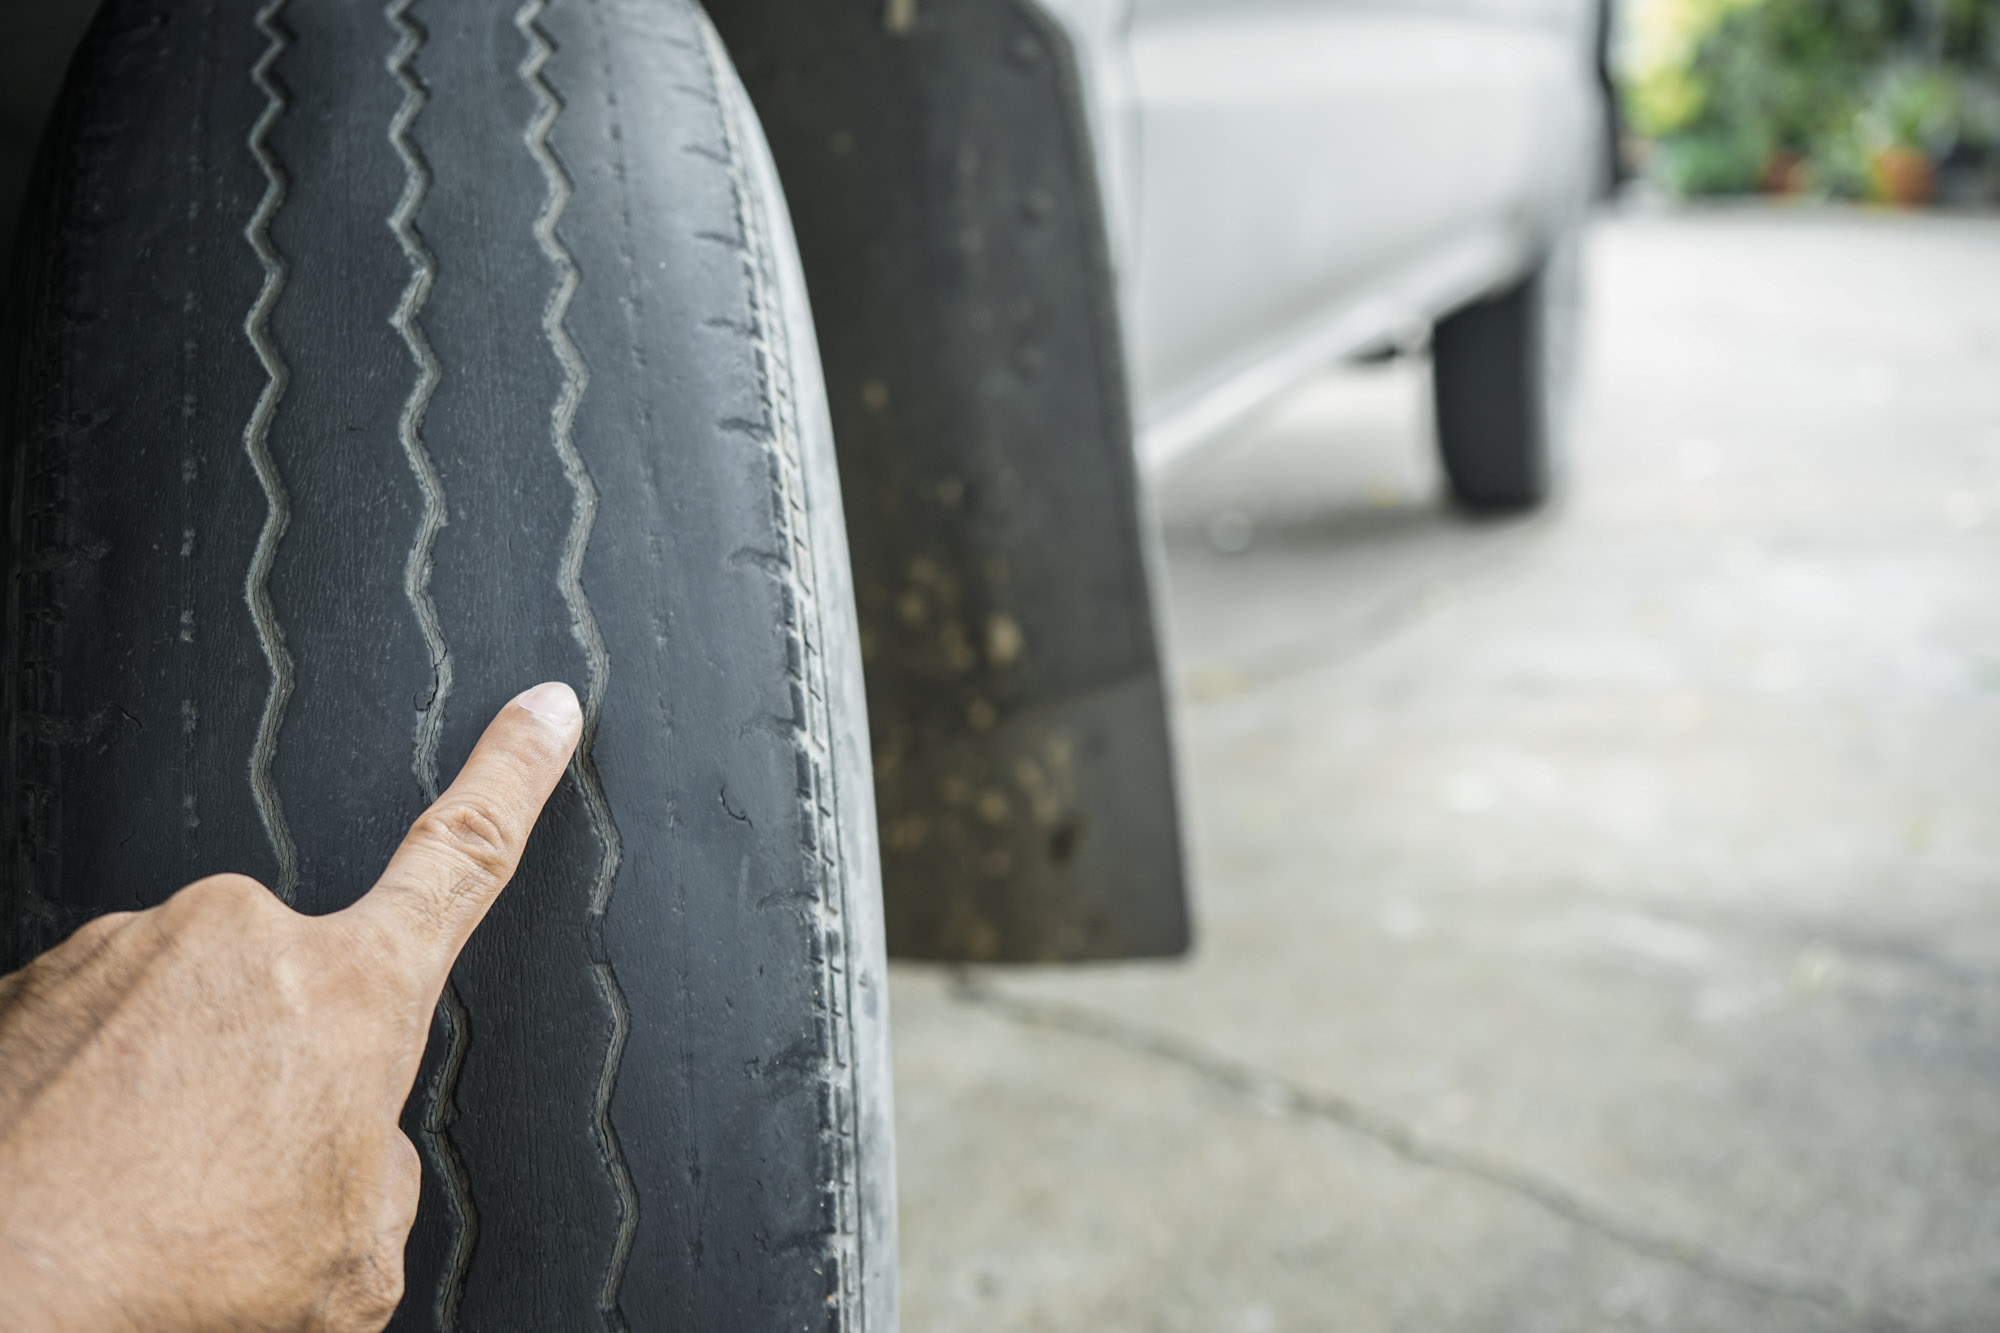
column 554, row 703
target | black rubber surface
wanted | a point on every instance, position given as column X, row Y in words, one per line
column 381, row 361
column 1495, row 410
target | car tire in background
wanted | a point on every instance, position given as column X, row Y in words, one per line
column 373, row 365
column 1502, row 375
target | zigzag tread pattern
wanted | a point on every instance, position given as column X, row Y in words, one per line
column 812, row 730
column 583, row 626
column 257, row 445
column 440, row 1095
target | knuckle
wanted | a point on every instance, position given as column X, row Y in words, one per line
column 88, row 943
column 230, row 897
column 468, row 832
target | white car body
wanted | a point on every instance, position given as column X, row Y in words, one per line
column 1289, row 182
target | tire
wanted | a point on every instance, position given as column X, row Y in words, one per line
column 370, row 373
column 1501, row 376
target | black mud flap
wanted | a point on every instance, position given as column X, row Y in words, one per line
column 938, row 168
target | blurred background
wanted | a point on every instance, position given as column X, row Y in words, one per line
column 1894, row 101
column 1599, row 912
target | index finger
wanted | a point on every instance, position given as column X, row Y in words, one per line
column 462, row 851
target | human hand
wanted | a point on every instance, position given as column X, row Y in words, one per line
column 198, row 1102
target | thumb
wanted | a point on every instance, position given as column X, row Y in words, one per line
column 462, row 851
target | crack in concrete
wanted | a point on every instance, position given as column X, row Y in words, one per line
column 1285, row 1097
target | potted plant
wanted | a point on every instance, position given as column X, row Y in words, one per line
column 1911, row 121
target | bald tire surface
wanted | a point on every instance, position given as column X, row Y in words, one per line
column 378, row 362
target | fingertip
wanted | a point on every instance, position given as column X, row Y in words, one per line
column 463, row 850
column 554, row 704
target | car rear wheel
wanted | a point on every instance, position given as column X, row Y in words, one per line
column 1501, row 379
column 372, row 369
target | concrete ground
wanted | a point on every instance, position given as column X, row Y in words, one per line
column 1600, row 914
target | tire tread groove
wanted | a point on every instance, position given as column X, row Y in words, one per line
column 440, row 1095
column 583, row 625
column 257, row 445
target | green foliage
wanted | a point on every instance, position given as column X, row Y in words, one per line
column 1734, row 92
column 1914, row 106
